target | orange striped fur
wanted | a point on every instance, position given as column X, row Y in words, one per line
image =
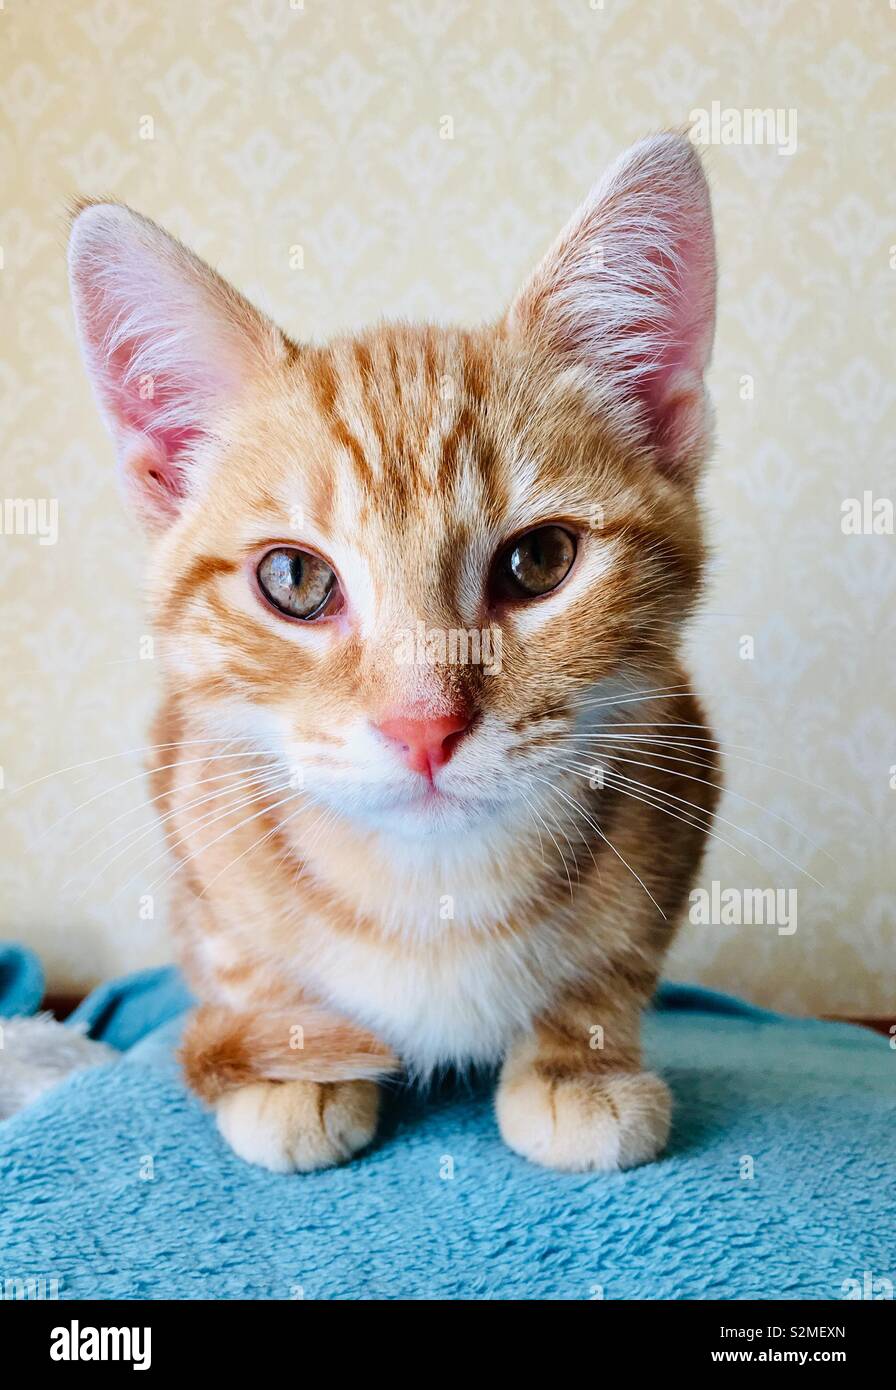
column 335, row 927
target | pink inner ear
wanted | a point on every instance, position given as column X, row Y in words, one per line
column 628, row 290
column 143, row 409
column 670, row 382
column 167, row 344
column 157, row 364
column 154, row 478
column 147, row 406
column 663, row 263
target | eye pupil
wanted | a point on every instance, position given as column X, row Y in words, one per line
column 297, row 583
column 539, row 562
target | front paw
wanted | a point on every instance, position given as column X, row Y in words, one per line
column 297, row 1126
column 580, row 1121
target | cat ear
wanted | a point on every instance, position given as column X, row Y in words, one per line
column 168, row 344
column 628, row 292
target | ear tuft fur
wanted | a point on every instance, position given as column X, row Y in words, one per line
column 168, row 344
column 628, row 292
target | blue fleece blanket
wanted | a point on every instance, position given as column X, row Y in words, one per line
column 779, row 1181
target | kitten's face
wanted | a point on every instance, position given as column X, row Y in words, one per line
column 404, row 564
column 407, row 479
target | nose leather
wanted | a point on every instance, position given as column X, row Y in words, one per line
column 425, row 744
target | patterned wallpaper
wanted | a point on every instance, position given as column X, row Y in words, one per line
column 346, row 159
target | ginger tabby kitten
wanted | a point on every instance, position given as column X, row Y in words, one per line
column 428, row 762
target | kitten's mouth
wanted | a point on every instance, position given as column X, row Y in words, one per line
column 429, row 795
column 416, row 807
column 428, row 804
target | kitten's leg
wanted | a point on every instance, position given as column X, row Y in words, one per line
column 573, row 1096
column 287, row 1107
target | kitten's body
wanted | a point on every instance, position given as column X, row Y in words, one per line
column 339, row 916
column 359, row 923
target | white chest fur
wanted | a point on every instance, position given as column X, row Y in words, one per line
column 461, row 998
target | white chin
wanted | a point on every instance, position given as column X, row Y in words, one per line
column 415, row 817
column 412, row 813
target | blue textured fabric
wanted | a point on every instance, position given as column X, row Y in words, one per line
column 122, row 1012
column 118, row 1184
column 21, row 981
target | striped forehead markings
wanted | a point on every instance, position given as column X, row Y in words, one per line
column 407, row 408
column 325, row 382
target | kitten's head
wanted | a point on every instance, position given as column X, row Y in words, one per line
column 403, row 563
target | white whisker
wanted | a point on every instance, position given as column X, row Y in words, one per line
column 204, row 821
column 107, row 791
column 692, row 777
column 109, row 757
column 238, row 783
column 634, row 875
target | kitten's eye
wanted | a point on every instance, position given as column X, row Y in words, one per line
column 536, row 563
column 298, row 583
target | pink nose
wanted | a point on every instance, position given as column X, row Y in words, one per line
column 426, row 744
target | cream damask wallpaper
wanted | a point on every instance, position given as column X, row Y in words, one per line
column 347, row 159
